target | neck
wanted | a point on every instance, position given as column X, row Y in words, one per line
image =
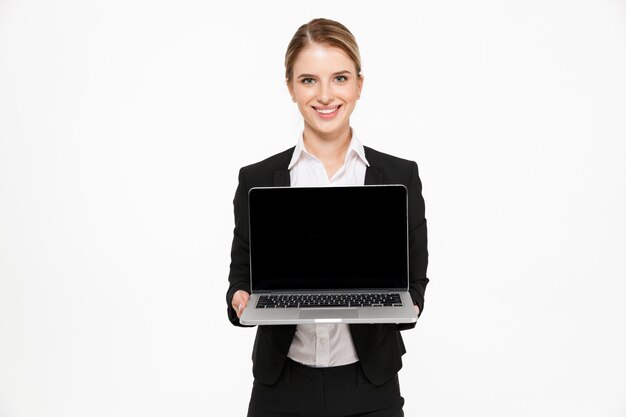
column 328, row 148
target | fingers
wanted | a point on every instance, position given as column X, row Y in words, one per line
column 239, row 302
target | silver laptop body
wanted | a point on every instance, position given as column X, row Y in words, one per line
column 329, row 255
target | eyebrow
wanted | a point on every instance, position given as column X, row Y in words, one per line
column 313, row 76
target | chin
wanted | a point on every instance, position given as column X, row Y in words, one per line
column 328, row 129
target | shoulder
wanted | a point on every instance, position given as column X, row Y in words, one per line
column 386, row 158
column 278, row 161
column 262, row 171
column 388, row 162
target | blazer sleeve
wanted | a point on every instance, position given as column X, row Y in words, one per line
column 239, row 276
column 418, row 248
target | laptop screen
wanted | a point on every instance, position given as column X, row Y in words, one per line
column 317, row 238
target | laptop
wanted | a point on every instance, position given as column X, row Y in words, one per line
column 328, row 255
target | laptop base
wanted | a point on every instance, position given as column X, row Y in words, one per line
column 316, row 315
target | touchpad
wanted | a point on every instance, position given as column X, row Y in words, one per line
column 315, row 313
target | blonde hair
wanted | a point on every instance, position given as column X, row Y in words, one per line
column 326, row 32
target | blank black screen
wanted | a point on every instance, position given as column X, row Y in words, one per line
column 328, row 237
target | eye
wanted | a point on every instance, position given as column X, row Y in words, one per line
column 341, row 79
column 308, row 81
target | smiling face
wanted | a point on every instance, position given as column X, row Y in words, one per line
column 326, row 86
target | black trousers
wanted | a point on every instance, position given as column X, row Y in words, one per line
column 340, row 391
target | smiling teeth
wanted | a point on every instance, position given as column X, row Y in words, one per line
column 329, row 111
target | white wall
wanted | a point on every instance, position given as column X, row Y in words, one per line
column 122, row 128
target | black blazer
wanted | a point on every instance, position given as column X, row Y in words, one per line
column 378, row 346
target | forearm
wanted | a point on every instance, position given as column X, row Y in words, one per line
column 239, row 275
column 418, row 244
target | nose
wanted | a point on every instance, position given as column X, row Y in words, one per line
column 324, row 93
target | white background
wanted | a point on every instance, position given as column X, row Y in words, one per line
column 122, row 128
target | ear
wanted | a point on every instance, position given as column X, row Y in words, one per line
column 290, row 88
column 359, row 86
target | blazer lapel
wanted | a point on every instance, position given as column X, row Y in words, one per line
column 282, row 178
column 373, row 175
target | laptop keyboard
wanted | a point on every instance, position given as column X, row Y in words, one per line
column 329, row 300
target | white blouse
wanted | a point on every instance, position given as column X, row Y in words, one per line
column 324, row 345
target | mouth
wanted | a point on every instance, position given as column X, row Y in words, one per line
column 327, row 112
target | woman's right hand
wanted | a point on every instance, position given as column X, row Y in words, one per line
column 239, row 302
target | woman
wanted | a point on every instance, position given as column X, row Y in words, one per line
column 326, row 369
